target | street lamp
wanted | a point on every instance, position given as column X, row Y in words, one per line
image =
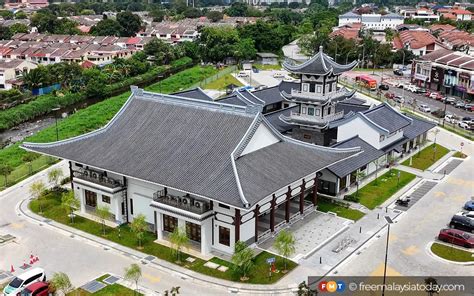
column 56, row 120
column 159, row 83
column 389, row 221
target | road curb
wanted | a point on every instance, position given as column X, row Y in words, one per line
column 436, row 257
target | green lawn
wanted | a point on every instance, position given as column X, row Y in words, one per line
column 451, row 253
column 91, row 118
column 222, row 82
column 109, row 290
column 124, row 236
column 267, row 67
column 379, row 190
column 459, row 154
column 341, row 211
column 427, row 157
column 23, row 171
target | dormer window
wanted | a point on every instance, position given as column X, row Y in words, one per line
column 382, row 137
column 311, row 111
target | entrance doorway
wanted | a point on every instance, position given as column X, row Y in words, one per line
column 169, row 223
column 193, row 231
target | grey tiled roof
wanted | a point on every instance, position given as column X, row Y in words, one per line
column 369, row 154
column 269, row 95
column 195, row 93
column 344, row 106
column 188, row 145
column 349, row 14
column 319, row 64
column 273, row 118
column 386, row 117
column 418, row 127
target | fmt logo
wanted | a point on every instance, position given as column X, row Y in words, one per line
column 331, row 286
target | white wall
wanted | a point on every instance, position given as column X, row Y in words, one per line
column 263, row 137
column 364, row 131
column 142, row 194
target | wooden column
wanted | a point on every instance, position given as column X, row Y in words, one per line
column 237, row 220
column 287, row 205
column 272, row 213
column 71, row 175
column 315, row 191
column 257, row 212
column 303, row 186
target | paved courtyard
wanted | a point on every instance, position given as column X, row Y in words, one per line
column 311, row 233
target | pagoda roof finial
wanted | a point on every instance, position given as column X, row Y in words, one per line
column 320, row 48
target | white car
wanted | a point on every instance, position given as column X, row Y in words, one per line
column 20, row 282
column 278, row 75
column 424, row 108
column 449, row 118
column 243, row 74
column 411, row 88
column 463, row 125
column 469, row 214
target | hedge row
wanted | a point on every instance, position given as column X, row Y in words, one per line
column 45, row 103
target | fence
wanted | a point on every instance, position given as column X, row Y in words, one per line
column 220, row 74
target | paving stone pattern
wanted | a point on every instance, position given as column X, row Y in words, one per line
column 93, row 286
column 417, row 194
column 449, row 167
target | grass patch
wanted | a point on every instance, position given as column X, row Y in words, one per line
column 267, row 67
column 109, row 290
column 341, row 211
column 459, row 154
column 91, row 118
column 379, row 190
column 22, row 171
column 451, row 253
column 123, row 235
column 426, row 157
column 222, row 82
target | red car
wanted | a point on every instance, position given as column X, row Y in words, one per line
column 37, row 289
column 457, row 237
column 389, row 95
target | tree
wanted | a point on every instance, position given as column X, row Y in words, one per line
column 161, row 51
column 5, row 33
column 245, row 49
column 189, row 49
column 6, row 14
column 107, row 27
column 192, row 12
column 179, row 239
column 37, row 190
column 217, row 43
column 133, row 273
column 285, row 245
column 130, row 23
column 54, row 176
column 214, row 16
column 20, row 15
column 60, row 281
column 139, row 226
column 18, row 28
column 237, row 9
column 70, row 203
column 5, row 170
column 29, row 158
column 242, row 259
column 102, row 213
column 359, row 176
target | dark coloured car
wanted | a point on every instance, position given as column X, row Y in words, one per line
column 456, row 237
column 421, row 90
column 469, row 206
column 398, row 72
column 462, row 223
column 384, row 87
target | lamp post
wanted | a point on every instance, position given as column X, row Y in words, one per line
column 56, row 121
column 159, row 83
column 389, row 221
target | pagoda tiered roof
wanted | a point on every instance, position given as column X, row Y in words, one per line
column 319, row 64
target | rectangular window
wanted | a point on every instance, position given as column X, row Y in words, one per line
column 303, row 110
column 310, row 111
column 169, row 223
column 305, row 87
column 318, row 89
column 329, row 111
column 106, row 199
column 131, row 206
column 224, row 206
column 123, row 208
column 224, row 236
column 311, row 87
column 382, row 137
column 91, row 198
column 317, row 112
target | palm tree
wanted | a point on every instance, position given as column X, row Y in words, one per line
column 36, row 190
column 102, row 213
column 432, row 286
column 5, row 170
column 243, row 259
column 285, row 245
column 61, row 282
column 70, row 203
column 179, row 239
column 133, row 273
column 28, row 158
column 139, row 227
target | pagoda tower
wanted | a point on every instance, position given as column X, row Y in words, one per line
column 316, row 98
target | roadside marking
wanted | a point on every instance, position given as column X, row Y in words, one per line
column 439, row 193
column 411, row 250
column 17, row 225
column 379, row 271
column 151, row 278
column 392, row 238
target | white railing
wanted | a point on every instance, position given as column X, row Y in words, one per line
column 315, row 119
column 318, row 96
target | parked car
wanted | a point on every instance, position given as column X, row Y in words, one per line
column 462, row 223
column 428, row 93
column 399, row 99
column 400, row 84
column 421, row 90
column 464, row 125
column 389, row 95
column 467, row 119
column 278, row 75
column 37, row 289
column 469, row 214
column 384, row 87
column 469, row 206
column 450, row 100
column 255, row 70
column 243, row 74
column 398, row 72
column 440, row 97
column 449, row 118
column 459, row 104
column 424, row 108
column 469, row 107
column 456, row 237
column 433, row 95
column 20, row 282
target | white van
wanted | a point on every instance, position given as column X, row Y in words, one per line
column 243, row 74
column 20, row 282
column 278, row 75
